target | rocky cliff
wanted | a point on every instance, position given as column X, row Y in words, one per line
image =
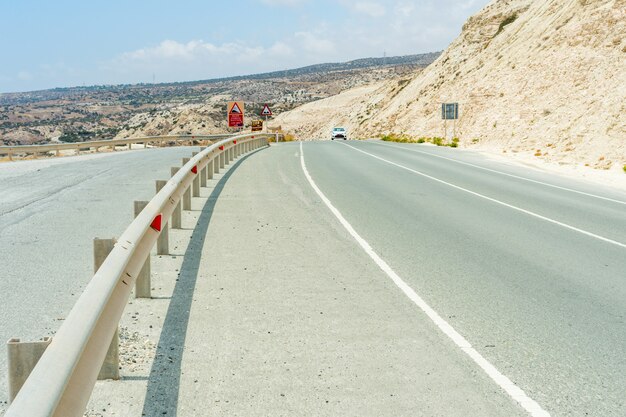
column 541, row 77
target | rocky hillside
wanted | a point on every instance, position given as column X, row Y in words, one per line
column 545, row 78
column 198, row 107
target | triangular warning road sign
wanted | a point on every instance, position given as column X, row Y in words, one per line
column 266, row 111
column 235, row 109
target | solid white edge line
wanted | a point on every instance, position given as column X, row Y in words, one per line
column 515, row 392
column 507, row 174
column 502, row 203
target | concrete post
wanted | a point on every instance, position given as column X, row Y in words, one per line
column 142, row 284
column 222, row 160
column 203, row 177
column 216, row 164
column 187, row 194
column 110, row 367
column 21, row 360
column 187, row 199
column 130, row 146
column 177, row 217
column 196, row 185
column 209, row 170
column 163, row 239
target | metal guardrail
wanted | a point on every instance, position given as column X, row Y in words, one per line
column 61, row 383
column 57, row 147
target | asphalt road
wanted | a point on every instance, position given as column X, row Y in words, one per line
column 288, row 315
column 50, row 211
column 543, row 302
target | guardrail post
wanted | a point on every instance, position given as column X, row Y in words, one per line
column 142, row 284
column 209, row 170
column 203, row 174
column 196, row 186
column 222, row 160
column 163, row 247
column 110, row 367
column 22, row 358
column 177, row 213
column 187, row 193
column 130, row 146
column 216, row 164
column 196, row 181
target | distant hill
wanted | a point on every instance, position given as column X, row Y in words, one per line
column 195, row 107
column 421, row 60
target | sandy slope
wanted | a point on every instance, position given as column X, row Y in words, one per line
column 550, row 85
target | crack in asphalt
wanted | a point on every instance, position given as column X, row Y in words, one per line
column 52, row 193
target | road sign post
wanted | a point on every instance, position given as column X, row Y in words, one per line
column 449, row 111
column 267, row 112
column 235, row 114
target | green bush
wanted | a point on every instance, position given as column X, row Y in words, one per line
column 402, row 138
column 506, row 22
column 624, row 168
column 437, row 141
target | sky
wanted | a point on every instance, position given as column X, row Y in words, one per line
column 65, row 43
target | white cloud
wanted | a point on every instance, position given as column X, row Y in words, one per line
column 280, row 49
column 24, row 76
column 397, row 27
column 404, row 8
column 315, row 43
column 369, row 8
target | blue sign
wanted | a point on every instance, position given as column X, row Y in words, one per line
column 450, row 111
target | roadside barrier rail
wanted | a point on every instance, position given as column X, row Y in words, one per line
column 10, row 151
column 61, row 382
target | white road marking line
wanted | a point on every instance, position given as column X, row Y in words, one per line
column 515, row 392
column 502, row 203
column 509, row 175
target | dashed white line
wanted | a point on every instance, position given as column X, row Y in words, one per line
column 502, row 203
column 571, row 190
column 515, row 392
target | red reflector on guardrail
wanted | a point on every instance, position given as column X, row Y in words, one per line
column 156, row 223
column 194, row 169
column 252, row 137
column 222, row 148
column 235, row 142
